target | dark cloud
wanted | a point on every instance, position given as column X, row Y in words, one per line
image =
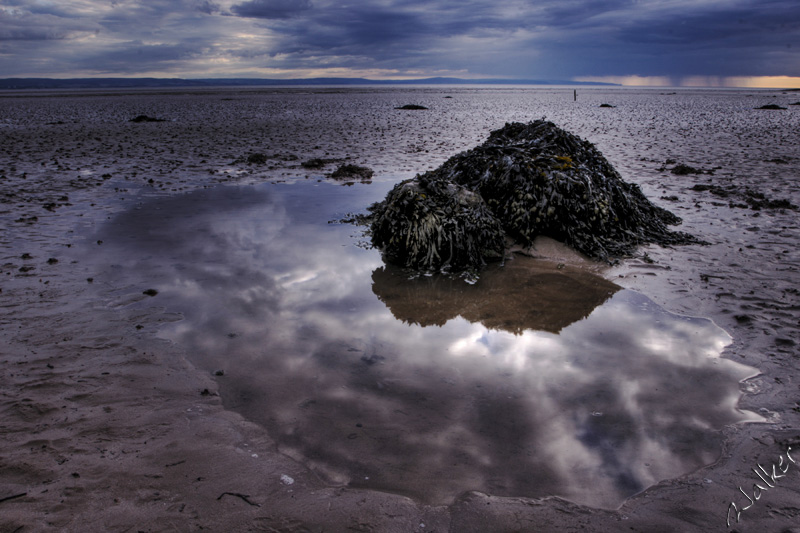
column 357, row 32
column 271, row 9
column 403, row 35
column 740, row 40
column 23, row 25
column 734, row 27
column 131, row 57
column 514, row 38
column 207, row 7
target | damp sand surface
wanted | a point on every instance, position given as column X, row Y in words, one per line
column 191, row 344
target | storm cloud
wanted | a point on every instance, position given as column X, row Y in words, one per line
column 547, row 39
column 271, row 9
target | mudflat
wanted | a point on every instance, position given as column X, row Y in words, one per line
column 106, row 425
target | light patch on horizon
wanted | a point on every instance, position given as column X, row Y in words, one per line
column 765, row 82
column 755, row 82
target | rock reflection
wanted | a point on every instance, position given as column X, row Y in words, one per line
column 492, row 400
column 523, row 294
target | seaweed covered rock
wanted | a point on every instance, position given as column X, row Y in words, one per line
column 526, row 180
column 432, row 224
column 352, row 172
column 145, row 118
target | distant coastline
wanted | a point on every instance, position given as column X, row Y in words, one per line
column 123, row 83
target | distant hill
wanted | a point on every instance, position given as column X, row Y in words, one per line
column 115, row 83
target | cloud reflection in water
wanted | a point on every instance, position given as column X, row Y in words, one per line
column 587, row 392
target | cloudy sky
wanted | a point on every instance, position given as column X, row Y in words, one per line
column 670, row 42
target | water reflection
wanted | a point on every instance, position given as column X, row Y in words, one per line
column 523, row 294
column 431, row 389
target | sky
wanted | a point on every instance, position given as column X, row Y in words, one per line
column 634, row 42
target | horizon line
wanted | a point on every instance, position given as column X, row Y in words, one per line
column 744, row 82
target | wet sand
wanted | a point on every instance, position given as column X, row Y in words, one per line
column 106, row 427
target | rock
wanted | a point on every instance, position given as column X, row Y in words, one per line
column 431, row 223
column 317, row 162
column 770, row 106
column 257, row 159
column 682, row 170
column 526, row 180
column 746, row 197
column 349, row 172
column 145, row 118
column 412, row 107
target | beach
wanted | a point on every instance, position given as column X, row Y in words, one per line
column 109, row 424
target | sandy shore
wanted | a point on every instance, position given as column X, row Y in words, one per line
column 104, row 427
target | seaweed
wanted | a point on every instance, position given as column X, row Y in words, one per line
column 145, row 118
column 317, row 162
column 524, row 181
column 751, row 199
column 257, row 159
column 349, row 171
column 429, row 223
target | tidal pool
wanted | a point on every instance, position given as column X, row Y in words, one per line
column 534, row 381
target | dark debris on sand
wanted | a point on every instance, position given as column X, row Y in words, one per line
column 318, row 162
column 682, row 169
column 744, row 198
column 145, row 118
column 352, row 172
column 526, row 180
column 258, row 158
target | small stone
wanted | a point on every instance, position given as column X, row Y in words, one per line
column 256, row 159
column 352, row 172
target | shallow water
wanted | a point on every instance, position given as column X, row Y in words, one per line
column 534, row 381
